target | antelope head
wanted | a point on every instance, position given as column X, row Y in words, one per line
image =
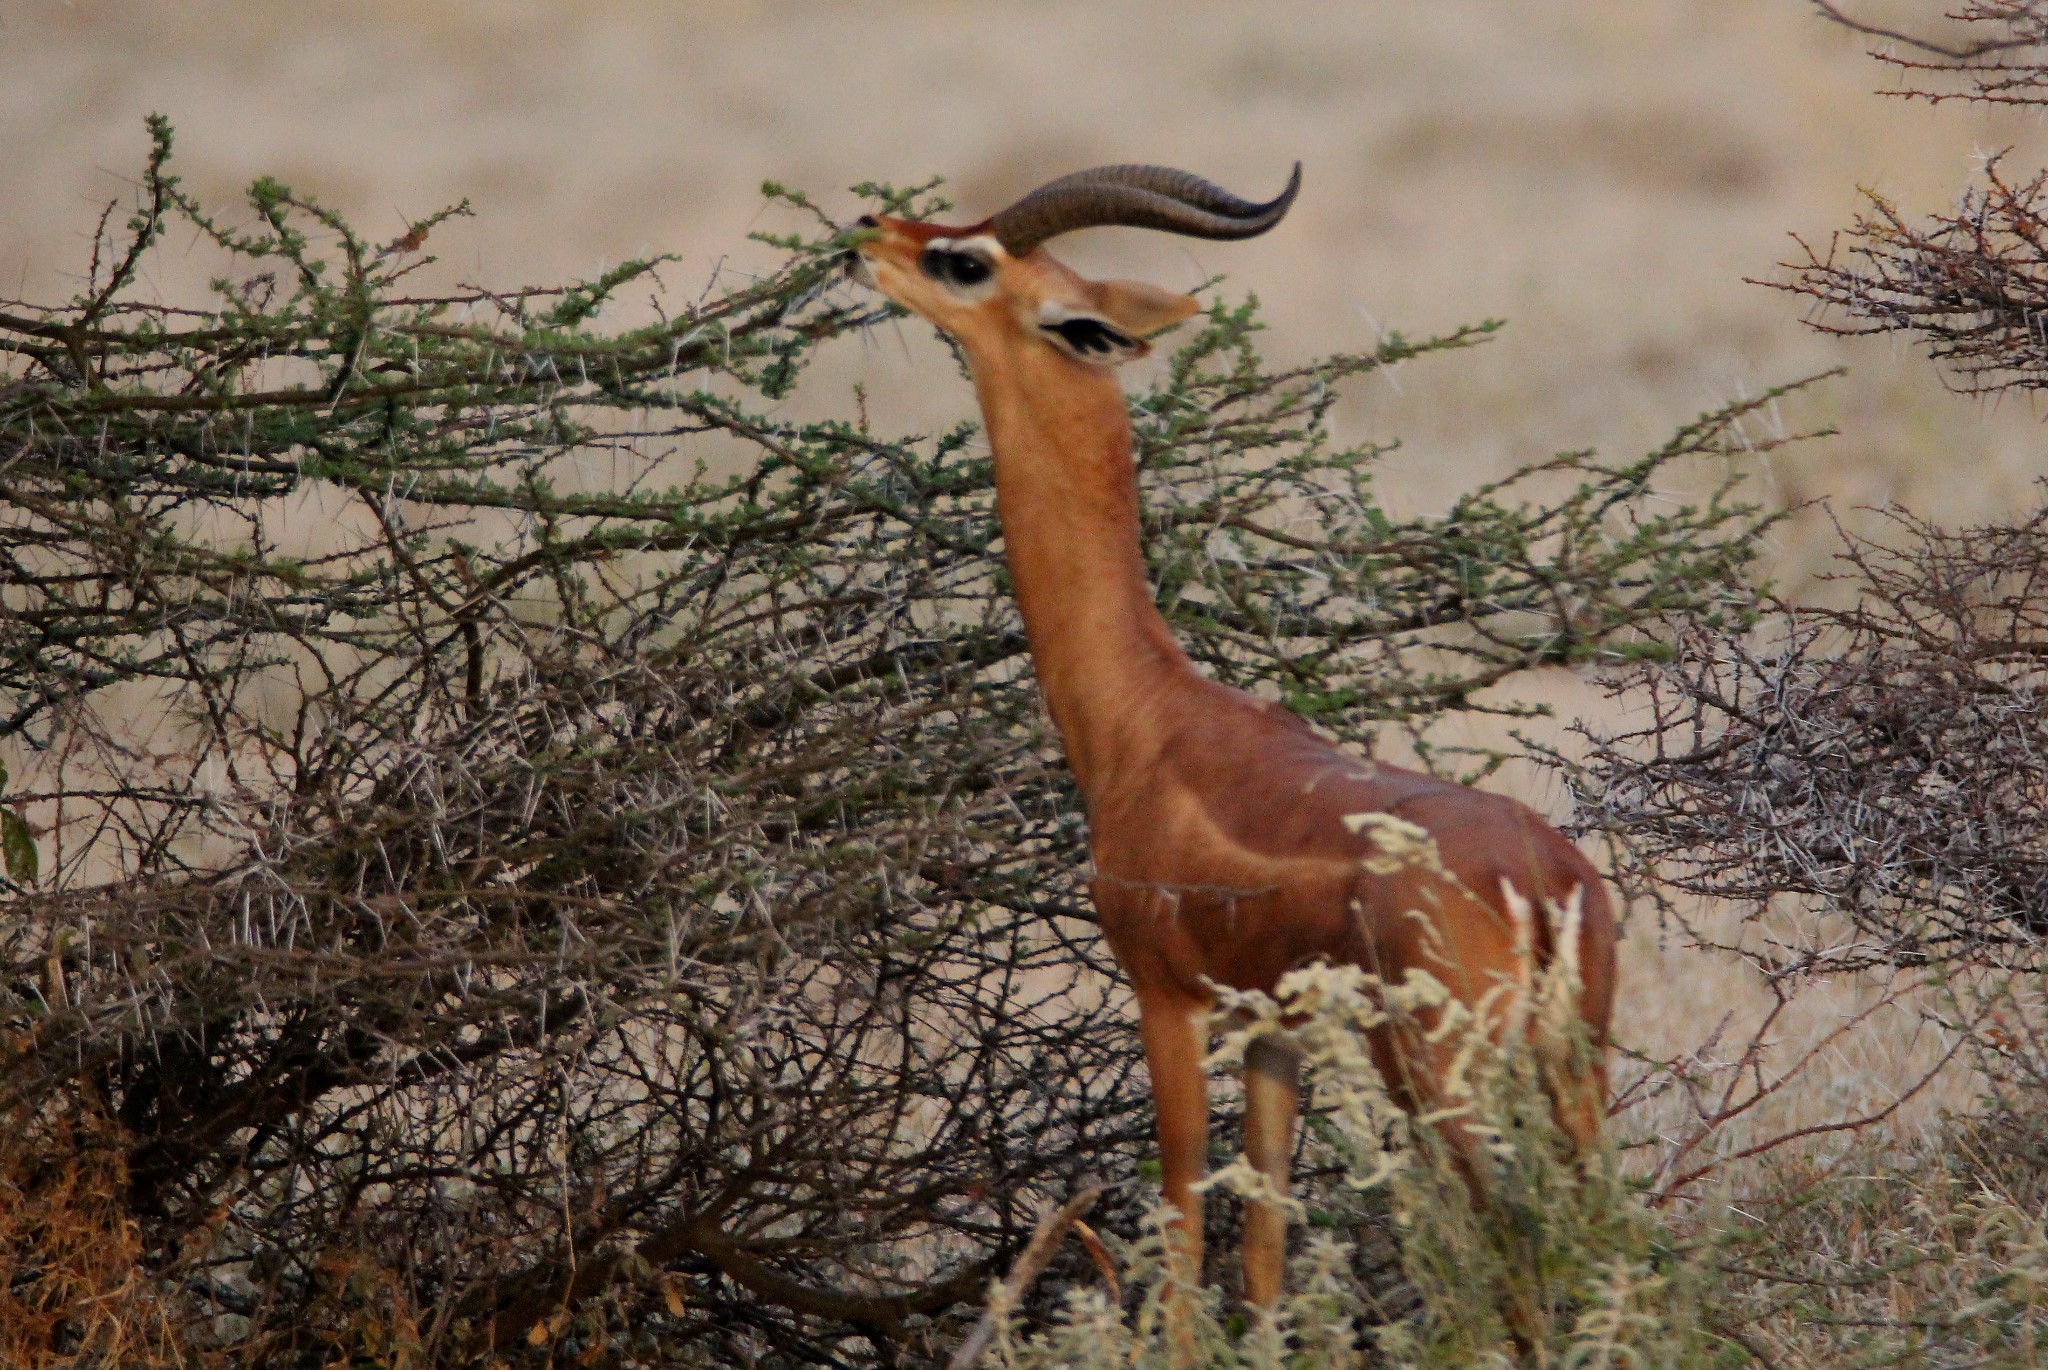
column 993, row 285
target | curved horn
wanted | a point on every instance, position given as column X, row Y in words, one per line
column 1136, row 197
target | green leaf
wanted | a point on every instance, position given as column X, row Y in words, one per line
column 17, row 846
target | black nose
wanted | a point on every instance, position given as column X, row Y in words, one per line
column 867, row 221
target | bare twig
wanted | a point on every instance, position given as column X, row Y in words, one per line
column 1961, row 53
column 1052, row 1226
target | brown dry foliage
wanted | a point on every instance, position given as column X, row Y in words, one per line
column 72, row 1286
column 1972, row 282
column 1883, row 764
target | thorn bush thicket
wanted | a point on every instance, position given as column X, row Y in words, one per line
column 608, row 889
column 1884, row 764
column 1860, row 782
column 1880, row 763
column 1970, row 283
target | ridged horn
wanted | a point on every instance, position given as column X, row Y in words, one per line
column 1134, row 196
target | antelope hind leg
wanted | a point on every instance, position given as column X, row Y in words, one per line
column 1272, row 1101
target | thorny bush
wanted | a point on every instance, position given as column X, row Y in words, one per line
column 527, row 850
column 1859, row 780
column 1971, row 283
column 1884, row 763
column 1877, row 765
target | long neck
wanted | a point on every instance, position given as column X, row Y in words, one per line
column 1067, row 495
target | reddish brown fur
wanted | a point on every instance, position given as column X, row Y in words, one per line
column 1216, row 819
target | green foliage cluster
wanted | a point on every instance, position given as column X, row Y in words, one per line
column 520, row 847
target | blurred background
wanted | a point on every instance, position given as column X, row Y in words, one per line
column 1600, row 173
column 1603, row 174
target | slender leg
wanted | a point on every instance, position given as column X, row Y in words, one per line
column 1272, row 1099
column 1172, row 1030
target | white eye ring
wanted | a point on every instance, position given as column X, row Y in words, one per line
column 966, row 266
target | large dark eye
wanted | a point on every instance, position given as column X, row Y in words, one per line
column 953, row 267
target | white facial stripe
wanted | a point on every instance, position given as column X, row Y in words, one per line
column 983, row 243
column 1052, row 314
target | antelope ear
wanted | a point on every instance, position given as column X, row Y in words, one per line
column 1089, row 337
column 1140, row 309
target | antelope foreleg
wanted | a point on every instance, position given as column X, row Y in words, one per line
column 1173, row 1032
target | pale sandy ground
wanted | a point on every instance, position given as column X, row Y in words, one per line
column 1602, row 173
